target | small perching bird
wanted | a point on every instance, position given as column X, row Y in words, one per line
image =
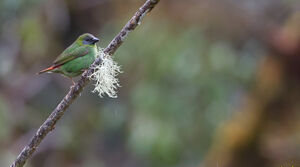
column 76, row 58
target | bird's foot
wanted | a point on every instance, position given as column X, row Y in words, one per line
column 72, row 81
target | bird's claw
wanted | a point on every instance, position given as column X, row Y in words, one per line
column 73, row 83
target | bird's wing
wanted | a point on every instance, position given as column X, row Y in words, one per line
column 69, row 54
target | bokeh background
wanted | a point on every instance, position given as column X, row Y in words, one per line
column 208, row 83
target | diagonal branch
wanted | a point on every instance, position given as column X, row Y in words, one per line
column 75, row 90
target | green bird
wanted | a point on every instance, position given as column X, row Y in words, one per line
column 76, row 58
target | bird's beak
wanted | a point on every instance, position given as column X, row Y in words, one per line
column 95, row 40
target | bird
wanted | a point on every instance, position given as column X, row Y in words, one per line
column 76, row 58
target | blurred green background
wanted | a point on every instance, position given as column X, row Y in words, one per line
column 204, row 83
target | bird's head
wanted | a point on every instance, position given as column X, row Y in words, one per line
column 87, row 39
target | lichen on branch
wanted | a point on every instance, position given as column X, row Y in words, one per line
column 105, row 75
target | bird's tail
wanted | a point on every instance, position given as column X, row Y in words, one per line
column 46, row 70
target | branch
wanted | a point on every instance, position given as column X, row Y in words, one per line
column 75, row 90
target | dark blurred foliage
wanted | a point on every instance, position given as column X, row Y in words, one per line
column 205, row 83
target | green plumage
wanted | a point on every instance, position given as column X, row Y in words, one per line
column 76, row 58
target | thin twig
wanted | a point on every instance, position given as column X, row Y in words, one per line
column 75, row 90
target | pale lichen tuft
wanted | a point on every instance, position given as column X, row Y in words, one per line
column 105, row 75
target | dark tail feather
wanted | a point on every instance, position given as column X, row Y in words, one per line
column 46, row 70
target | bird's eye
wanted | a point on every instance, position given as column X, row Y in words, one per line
column 90, row 40
column 87, row 39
